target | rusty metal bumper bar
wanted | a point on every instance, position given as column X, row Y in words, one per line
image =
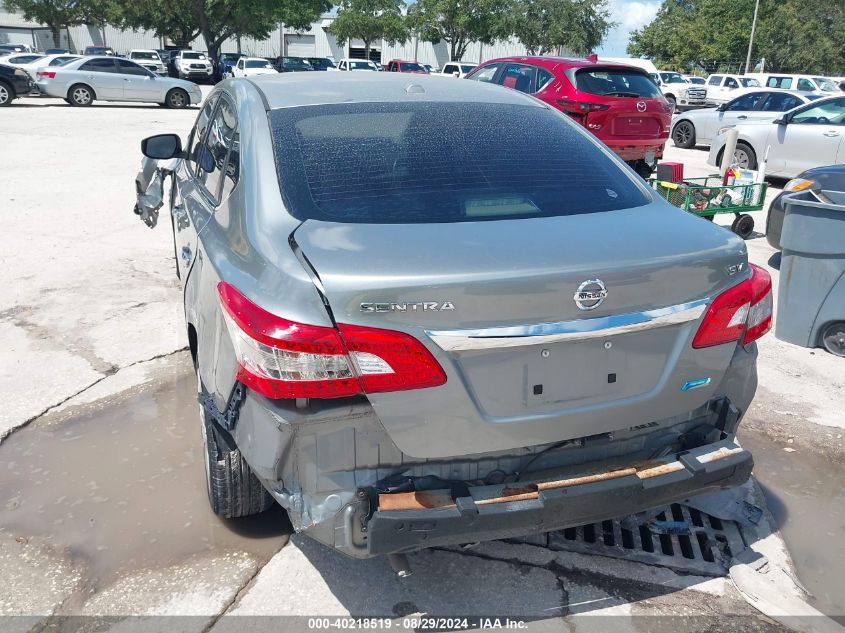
column 410, row 521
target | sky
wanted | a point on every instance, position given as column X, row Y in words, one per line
column 630, row 15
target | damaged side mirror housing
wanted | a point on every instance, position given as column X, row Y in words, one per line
column 162, row 147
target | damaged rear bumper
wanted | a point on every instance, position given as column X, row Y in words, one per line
column 418, row 520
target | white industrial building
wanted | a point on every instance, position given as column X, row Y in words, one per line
column 315, row 42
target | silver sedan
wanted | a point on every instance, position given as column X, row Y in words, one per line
column 108, row 78
column 699, row 127
column 806, row 137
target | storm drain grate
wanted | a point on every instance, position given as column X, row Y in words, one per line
column 678, row 537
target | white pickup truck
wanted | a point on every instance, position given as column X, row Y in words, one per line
column 679, row 92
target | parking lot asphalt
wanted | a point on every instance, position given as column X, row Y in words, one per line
column 92, row 340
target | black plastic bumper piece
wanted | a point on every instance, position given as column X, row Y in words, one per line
column 466, row 522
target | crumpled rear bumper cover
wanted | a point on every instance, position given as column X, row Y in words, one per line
column 718, row 465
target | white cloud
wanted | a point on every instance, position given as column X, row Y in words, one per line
column 630, row 15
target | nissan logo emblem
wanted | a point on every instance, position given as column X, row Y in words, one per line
column 641, row 106
column 590, row 294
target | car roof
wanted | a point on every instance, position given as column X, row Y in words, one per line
column 553, row 62
column 289, row 90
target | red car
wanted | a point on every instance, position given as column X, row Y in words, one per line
column 401, row 66
column 619, row 104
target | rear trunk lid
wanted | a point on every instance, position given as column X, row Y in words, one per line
column 495, row 303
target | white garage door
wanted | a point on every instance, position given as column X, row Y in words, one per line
column 300, row 46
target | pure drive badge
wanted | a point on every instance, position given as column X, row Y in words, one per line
column 407, row 306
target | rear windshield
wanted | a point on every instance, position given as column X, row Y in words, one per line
column 616, row 82
column 295, row 62
column 410, row 67
column 362, row 65
column 258, row 63
column 143, row 55
column 749, row 82
column 408, row 163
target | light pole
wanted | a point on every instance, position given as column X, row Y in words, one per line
column 751, row 39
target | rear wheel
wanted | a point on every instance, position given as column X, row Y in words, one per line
column 642, row 168
column 684, row 135
column 743, row 226
column 6, row 94
column 672, row 102
column 177, row 98
column 833, row 338
column 233, row 489
column 80, row 95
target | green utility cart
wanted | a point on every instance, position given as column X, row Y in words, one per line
column 708, row 196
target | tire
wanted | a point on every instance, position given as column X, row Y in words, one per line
column 750, row 160
column 642, row 168
column 743, row 226
column 672, row 102
column 833, row 338
column 683, row 134
column 233, row 489
column 177, row 99
column 80, row 95
column 7, row 94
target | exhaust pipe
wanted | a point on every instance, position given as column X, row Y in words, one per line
column 399, row 564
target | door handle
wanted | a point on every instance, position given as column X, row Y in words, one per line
column 742, row 117
column 187, row 255
column 831, row 133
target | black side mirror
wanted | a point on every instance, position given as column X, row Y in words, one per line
column 722, row 107
column 162, row 147
column 782, row 121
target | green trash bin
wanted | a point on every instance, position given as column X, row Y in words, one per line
column 811, row 291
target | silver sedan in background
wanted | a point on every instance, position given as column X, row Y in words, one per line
column 808, row 136
column 699, row 127
column 108, row 78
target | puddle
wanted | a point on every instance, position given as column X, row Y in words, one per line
column 806, row 496
column 124, row 487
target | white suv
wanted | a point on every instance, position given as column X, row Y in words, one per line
column 720, row 88
column 149, row 59
column 457, row 69
column 193, row 65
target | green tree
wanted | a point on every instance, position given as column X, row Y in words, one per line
column 792, row 35
column 218, row 20
column 461, row 22
column 55, row 14
column 545, row 26
column 370, row 20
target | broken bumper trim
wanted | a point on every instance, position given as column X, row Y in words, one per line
column 580, row 500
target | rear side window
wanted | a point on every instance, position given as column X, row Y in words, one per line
column 409, row 163
column 615, row 82
column 780, row 102
column 198, row 133
column 715, row 80
column 806, row 85
column 214, row 152
column 519, row 77
column 99, row 66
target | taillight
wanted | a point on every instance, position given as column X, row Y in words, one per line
column 49, row 74
column 279, row 358
column 581, row 107
column 760, row 313
column 744, row 311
